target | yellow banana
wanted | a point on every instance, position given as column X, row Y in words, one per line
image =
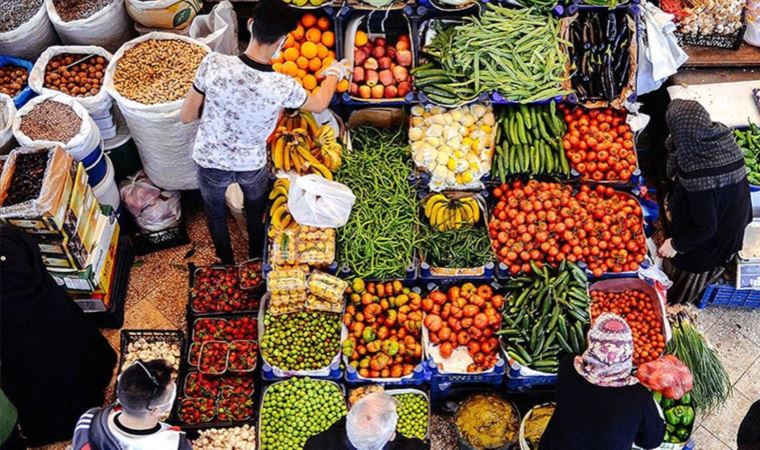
column 311, row 123
column 320, row 169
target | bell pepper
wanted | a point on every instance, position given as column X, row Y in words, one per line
column 658, row 397
column 682, row 433
column 686, row 399
column 670, row 428
column 671, row 417
column 688, row 416
column 667, row 403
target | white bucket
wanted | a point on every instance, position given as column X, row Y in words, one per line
column 106, row 191
column 234, row 199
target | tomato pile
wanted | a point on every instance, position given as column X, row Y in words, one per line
column 544, row 223
column 599, row 143
column 638, row 310
column 465, row 316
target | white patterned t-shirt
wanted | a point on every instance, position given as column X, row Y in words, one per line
column 243, row 100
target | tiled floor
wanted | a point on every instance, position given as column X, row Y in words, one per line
column 157, row 298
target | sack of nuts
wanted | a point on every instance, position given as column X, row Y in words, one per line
column 7, row 114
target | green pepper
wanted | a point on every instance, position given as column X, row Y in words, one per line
column 666, row 438
column 671, row 417
column 670, row 428
column 686, row 399
column 682, row 433
column 667, row 403
column 658, row 397
column 688, row 416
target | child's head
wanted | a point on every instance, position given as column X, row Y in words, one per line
column 271, row 21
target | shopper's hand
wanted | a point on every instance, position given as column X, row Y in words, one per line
column 666, row 249
column 338, row 69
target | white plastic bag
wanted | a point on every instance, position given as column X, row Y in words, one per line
column 7, row 114
column 752, row 17
column 79, row 146
column 108, row 28
column 218, row 29
column 29, row 39
column 152, row 208
column 660, row 56
column 165, row 144
column 316, row 202
column 97, row 105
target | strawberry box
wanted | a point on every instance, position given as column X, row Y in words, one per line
column 213, row 357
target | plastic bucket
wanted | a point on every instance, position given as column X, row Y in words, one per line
column 106, row 191
column 96, row 166
column 234, row 200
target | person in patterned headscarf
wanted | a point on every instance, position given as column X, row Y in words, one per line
column 600, row 404
column 709, row 204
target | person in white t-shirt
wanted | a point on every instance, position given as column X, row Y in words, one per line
column 238, row 100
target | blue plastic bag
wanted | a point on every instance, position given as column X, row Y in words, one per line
column 26, row 93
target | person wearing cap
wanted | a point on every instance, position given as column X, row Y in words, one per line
column 369, row 425
column 709, row 204
column 238, row 100
column 600, row 404
column 145, row 394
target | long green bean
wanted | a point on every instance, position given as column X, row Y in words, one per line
column 459, row 248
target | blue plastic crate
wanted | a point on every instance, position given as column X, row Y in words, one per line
column 26, row 92
column 441, row 383
column 420, row 376
column 524, row 383
column 336, row 373
column 726, row 295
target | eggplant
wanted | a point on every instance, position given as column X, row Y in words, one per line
column 611, row 26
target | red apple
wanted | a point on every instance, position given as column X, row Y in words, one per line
column 370, row 78
column 378, row 52
column 366, row 48
column 404, row 38
column 384, row 62
column 399, row 73
column 391, row 92
column 380, row 42
column 404, row 57
column 386, row 77
column 378, row 91
column 371, row 64
column 359, row 57
column 390, row 52
column 365, row 91
column 354, row 89
column 402, row 45
column 404, row 88
column 358, row 76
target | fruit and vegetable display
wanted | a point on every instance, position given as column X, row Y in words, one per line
column 667, row 375
column 643, row 315
column 12, row 79
column 454, row 146
column 279, row 216
column 200, row 385
column 287, row 291
column 308, row 50
column 384, row 322
column 712, row 385
column 234, row 408
column 722, row 18
column 145, row 349
column 206, row 398
column 302, row 145
column 546, row 316
column 234, row 438
column 381, row 67
column 307, row 340
column 28, row 175
column 515, row 52
column 545, row 223
column 534, row 424
column 600, row 144
column 242, row 328
column 679, row 417
column 749, row 142
column 360, row 392
column 529, row 142
column 379, row 239
column 451, row 212
column 218, row 289
column 196, row 410
column 250, row 273
column 600, row 52
column 67, row 73
column 462, row 322
column 292, row 411
column 213, row 357
column 413, row 414
column 486, row 421
column 325, row 292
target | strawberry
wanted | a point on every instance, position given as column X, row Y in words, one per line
column 218, row 290
column 243, row 356
column 213, row 358
column 236, row 385
column 197, row 410
column 200, row 385
column 234, row 408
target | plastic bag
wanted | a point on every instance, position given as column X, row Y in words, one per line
column 660, row 56
column 7, row 113
column 165, row 14
column 152, row 208
column 30, row 38
column 218, row 29
column 752, row 16
column 317, row 202
column 667, row 375
column 108, row 28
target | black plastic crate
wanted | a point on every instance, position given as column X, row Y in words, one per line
column 130, row 336
column 724, row 41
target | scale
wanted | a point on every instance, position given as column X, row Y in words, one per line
column 748, row 261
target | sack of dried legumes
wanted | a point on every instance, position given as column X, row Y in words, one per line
column 149, row 78
column 51, row 74
column 104, row 23
column 164, row 14
column 25, row 29
column 50, row 120
column 7, row 114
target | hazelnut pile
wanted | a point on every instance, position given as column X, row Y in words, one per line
column 12, row 80
column 51, row 121
column 81, row 80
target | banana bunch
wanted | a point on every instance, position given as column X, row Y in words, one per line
column 293, row 145
column 451, row 213
column 327, row 149
column 280, row 218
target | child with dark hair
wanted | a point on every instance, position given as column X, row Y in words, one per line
column 145, row 394
column 238, row 100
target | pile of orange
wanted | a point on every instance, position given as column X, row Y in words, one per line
column 307, row 50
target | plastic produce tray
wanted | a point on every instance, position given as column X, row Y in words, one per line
column 729, row 296
column 192, row 270
column 727, row 41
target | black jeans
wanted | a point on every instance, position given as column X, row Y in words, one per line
column 255, row 185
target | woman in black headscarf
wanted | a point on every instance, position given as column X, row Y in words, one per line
column 710, row 203
column 54, row 364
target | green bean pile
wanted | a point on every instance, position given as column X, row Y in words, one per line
column 461, row 248
column 517, row 52
column 379, row 239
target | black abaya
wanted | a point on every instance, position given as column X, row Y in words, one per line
column 55, row 364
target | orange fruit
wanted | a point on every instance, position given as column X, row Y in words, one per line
column 328, row 38
column 321, row 51
column 298, row 32
column 323, row 23
column 290, row 68
column 289, row 41
column 315, row 64
column 360, row 38
column 314, row 35
column 308, row 20
column 301, row 73
column 309, row 82
column 309, row 49
column 327, row 61
column 277, row 67
column 302, row 62
column 315, row 91
column 290, row 54
column 279, row 59
column 331, row 54
column 342, row 86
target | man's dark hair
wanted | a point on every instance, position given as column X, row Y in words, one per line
column 273, row 19
column 142, row 385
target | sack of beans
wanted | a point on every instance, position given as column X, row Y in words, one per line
column 164, row 14
column 76, row 71
column 104, row 23
column 7, row 114
column 25, row 29
column 50, row 120
column 149, row 78
column 14, row 79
